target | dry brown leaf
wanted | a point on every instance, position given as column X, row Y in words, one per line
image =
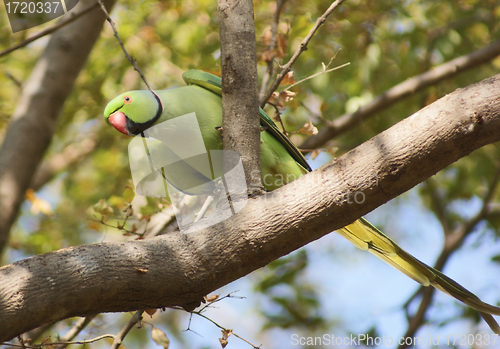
column 287, row 96
column 288, row 79
column 267, row 56
column 223, row 342
column 226, row 333
column 274, row 99
column 332, row 150
column 281, row 45
column 315, row 153
column 151, row 312
column 309, row 129
column 212, row 298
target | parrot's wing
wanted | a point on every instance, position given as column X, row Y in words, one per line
column 367, row 237
column 214, row 84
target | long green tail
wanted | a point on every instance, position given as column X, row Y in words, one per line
column 367, row 237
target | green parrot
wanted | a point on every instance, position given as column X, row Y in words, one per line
column 133, row 112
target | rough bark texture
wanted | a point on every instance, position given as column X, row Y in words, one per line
column 179, row 269
column 240, row 101
column 33, row 122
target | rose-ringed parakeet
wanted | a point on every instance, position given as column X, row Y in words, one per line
column 133, row 112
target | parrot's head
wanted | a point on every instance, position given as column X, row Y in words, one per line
column 133, row 112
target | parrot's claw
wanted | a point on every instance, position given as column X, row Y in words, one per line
column 204, row 208
column 220, row 130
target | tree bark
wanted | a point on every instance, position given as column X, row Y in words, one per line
column 34, row 120
column 179, row 269
column 240, row 101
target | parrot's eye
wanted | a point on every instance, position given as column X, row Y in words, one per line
column 127, row 99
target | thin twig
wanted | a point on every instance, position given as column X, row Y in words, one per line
column 225, row 329
column 131, row 60
column 46, row 344
column 13, row 79
column 75, row 330
column 272, row 44
column 277, row 115
column 209, row 304
column 319, row 73
column 303, row 46
column 48, row 30
column 126, row 329
column 318, row 116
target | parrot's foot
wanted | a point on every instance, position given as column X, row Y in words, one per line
column 204, row 208
column 255, row 191
column 220, row 130
column 263, row 128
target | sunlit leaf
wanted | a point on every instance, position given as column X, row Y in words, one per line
column 159, row 337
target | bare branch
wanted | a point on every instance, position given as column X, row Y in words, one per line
column 402, row 90
column 280, row 4
column 225, row 329
column 74, row 331
column 13, row 79
column 58, row 343
column 303, row 46
column 131, row 60
column 49, row 30
column 323, row 71
column 126, row 329
column 72, row 154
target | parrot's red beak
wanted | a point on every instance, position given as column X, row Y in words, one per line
column 119, row 121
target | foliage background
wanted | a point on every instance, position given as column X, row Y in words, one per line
column 328, row 286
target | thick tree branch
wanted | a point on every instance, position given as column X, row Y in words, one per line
column 179, row 269
column 240, row 101
column 39, row 106
column 403, row 90
column 71, row 155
